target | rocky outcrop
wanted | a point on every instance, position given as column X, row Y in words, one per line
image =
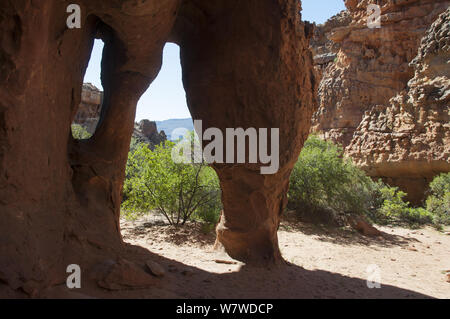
column 146, row 132
column 368, row 99
column 88, row 115
column 407, row 141
column 89, row 109
column 324, row 50
column 372, row 64
column 245, row 64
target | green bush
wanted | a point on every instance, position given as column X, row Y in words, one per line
column 394, row 210
column 326, row 188
column 324, row 183
column 417, row 216
column 393, row 205
column 134, row 144
column 178, row 191
column 79, row 132
column 438, row 203
column 210, row 212
column 440, row 185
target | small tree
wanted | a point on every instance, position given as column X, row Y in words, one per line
column 438, row 203
column 324, row 182
column 155, row 181
column 210, row 212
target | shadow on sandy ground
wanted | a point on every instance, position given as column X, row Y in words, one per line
column 344, row 235
column 284, row 281
column 287, row 281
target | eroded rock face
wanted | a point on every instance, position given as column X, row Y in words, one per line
column 147, row 132
column 88, row 112
column 60, row 198
column 245, row 64
column 88, row 116
column 325, row 50
column 262, row 77
column 372, row 65
column 407, row 141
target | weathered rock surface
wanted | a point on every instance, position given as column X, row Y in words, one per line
column 88, row 112
column 146, row 132
column 325, row 50
column 368, row 100
column 121, row 275
column 88, row 116
column 372, row 65
column 260, row 76
column 245, row 64
column 155, row 268
column 407, row 141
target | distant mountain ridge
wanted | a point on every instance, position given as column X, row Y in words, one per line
column 168, row 126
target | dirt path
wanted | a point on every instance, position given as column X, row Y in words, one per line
column 323, row 263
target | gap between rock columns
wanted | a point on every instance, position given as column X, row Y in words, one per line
column 247, row 64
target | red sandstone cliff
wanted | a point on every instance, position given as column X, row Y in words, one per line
column 323, row 48
column 407, row 141
column 372, row 65
column 387, row 106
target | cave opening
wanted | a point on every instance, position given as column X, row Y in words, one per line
column 88, row 113
column 163, row 121
column 164, row 102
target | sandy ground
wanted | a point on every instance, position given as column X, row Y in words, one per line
column 321, row 263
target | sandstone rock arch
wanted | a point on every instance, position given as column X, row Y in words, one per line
column 245, row 64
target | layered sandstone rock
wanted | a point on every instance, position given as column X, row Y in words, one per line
column 324, row 50
column 407, row 141
column 88, row 112
column 372, row 64
column 245, row 64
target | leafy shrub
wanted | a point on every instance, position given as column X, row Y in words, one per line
column 325, row 187
column 134, row 144
column 210, row 212
column 394, row 210
column 393, row 205
column 438, row 203
column 417, row 216
column 79, row 132
column 440, row 185
column 178, row 191
column 324, row 183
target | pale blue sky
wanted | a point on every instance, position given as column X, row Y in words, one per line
column 165, row 99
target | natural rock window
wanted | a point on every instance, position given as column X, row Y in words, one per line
column 88, row 113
